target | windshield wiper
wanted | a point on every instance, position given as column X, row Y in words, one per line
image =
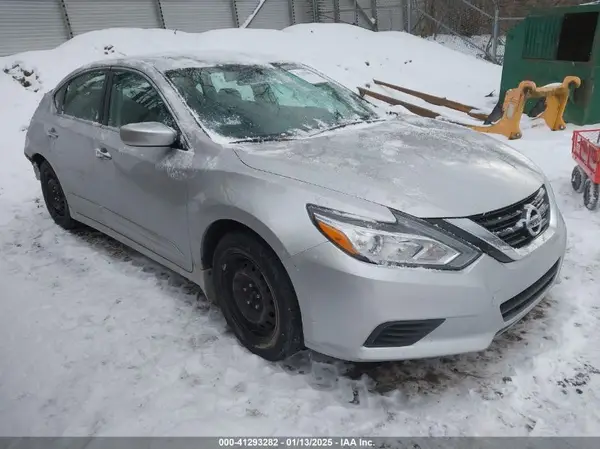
column 285, row 137
column 343, row 125
column 267, row 138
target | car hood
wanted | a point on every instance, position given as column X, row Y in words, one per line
column 423, row 167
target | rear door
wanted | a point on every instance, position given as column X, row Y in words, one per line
column 150, row 204
column 75, row 133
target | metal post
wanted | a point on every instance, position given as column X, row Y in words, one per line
column 358, row 10
column 375, row 21
column 253, row 14
column 336, row 11
column 495, row 33
column 63, row 7
column 161, row 17
column 292, row 12
column 234, row 12
column 409, row 16
column 402, row 9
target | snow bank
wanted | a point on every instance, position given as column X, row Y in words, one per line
column 360, row 55
column 96, row 340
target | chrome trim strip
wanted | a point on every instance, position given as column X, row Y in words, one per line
column 478, row 231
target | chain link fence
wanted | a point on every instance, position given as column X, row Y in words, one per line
column 355, row 12
column 473, row 26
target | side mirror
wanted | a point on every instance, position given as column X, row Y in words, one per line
column 148, row 134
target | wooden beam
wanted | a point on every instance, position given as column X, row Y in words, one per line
column 423, row 112
column 438, row 101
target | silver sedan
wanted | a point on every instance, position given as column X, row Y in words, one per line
column 312, row 219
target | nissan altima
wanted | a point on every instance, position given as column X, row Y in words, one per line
column 310, row 218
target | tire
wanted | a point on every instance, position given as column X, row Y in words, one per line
column 591, row 194
column 54, row 197
column 256, row 296
column 578, row 178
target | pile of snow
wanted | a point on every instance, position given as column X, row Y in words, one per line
column 349, row 54
column 96, row 340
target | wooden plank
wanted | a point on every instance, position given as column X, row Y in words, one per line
column 423, row 112
column 438, row 101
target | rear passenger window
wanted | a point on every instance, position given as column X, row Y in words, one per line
column 83, row 97
column 134, row 100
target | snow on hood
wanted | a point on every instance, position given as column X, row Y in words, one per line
column 423, row 167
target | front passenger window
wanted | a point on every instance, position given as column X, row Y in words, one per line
column 134, row 100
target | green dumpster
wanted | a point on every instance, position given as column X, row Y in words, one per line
column 551, row 44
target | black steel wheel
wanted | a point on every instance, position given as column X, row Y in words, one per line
column 54, row 197
column 578, row 178
column 256, row 296
column 591, row 194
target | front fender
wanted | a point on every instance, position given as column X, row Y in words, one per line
column 272, row 206
column 226, row 212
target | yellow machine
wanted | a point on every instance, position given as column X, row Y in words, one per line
column 556, row 97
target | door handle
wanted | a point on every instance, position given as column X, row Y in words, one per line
column 102, row 153
column 52, row 133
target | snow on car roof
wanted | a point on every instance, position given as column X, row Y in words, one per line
column 171, row 61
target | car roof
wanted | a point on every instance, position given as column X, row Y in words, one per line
column 170, row 61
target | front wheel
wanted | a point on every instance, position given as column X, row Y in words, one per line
column 256, row 296
column 54, row 197
column 578, row 178
column 591, row 194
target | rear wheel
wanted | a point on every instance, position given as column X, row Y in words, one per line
column 256, row 296
column 54, row 197
column 578, row 178
column 591, row 194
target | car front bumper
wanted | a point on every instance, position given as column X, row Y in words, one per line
column 343, row 301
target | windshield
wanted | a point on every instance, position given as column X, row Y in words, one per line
column 248, row 102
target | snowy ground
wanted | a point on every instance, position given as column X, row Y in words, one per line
column 97, row 340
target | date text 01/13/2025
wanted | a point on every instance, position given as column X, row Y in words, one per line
column 290, row 442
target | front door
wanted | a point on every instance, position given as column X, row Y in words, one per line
column 150, row 201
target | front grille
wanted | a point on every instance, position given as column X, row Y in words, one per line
column 510, row 223
column 517, row 304
column 401, row 333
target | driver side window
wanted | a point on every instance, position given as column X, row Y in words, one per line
column 134, row 100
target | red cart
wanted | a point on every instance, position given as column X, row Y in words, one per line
column 586, row 174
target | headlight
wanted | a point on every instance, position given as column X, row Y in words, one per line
column 409, row 242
